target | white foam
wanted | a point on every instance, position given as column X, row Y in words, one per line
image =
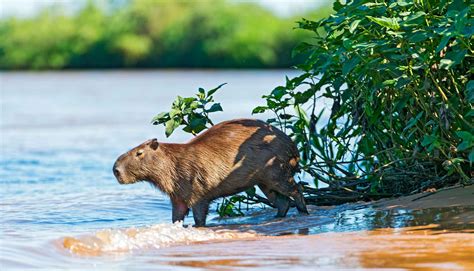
column 151, row 237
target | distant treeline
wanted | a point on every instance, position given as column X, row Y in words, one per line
column 149, row 34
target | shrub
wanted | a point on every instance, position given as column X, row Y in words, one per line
column 398, row 75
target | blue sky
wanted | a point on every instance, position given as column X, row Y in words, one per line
column 25, row 8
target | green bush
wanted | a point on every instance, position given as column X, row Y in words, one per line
column 398, row 74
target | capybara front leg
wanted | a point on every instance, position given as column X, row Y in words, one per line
column 200, row 210
column 283, row 204
column 180, row 210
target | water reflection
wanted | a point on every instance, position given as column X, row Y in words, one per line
column 448, row 218
column 347, row 218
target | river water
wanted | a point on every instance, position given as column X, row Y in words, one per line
column 61, row 207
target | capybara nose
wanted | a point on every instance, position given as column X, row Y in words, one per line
column 116, row 172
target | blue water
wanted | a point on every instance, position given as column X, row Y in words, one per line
column 61, row 133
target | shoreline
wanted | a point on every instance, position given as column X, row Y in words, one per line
column 411, row 232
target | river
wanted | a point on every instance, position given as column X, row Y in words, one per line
column 61, row 207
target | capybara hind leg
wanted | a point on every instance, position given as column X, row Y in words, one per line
column 200, row 210
column 290, row 189
column 180, row 210
column 297, row 195
column 279, row 201
column 282, row 203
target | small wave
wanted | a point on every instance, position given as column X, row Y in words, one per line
column 151, row 237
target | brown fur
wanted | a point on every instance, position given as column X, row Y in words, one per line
column 228, row 158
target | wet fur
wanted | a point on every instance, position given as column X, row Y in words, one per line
column 228, row 158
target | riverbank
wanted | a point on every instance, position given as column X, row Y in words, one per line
column 446, row 197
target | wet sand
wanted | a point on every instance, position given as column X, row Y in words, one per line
column 427, row 231
column 447, row 197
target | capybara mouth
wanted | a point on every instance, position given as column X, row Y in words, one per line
column 119, row 180
column 122, row 181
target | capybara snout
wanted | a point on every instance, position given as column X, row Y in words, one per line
column 228, row 158
column 129, row 167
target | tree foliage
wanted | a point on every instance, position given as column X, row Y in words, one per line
column 143, row 33
column 398, row 75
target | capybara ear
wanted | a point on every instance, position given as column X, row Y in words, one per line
column 154, row 144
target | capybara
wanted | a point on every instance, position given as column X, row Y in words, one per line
column 228, row 158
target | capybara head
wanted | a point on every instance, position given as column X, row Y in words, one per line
column 131, row 166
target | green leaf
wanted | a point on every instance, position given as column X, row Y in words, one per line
column 403, row 3
column 389, row 82
column 464, row 135
column 470, row 113
column 259, row 109
column 354, row 25
column 212, row 91
column 201, row 95
column 302, row 114
column 251, row 192
column 160, row 118
column 337, row 5
column 418, row 36
column 194, row 105
column 413, row 121
column 215, row 107
column 428, row 140
column 197, row 123
column 467, row 140
column 390, row 23
column 443, row 43
column 349, row 65
column 171, row 125
column 471, row 156
column 285, row 116
column 174, row 112
column 457, row 56
column 187, row 101
column 279, row 92
column 303, row 97
column 347, row 43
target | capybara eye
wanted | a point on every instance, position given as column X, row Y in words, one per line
column 140, row 152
